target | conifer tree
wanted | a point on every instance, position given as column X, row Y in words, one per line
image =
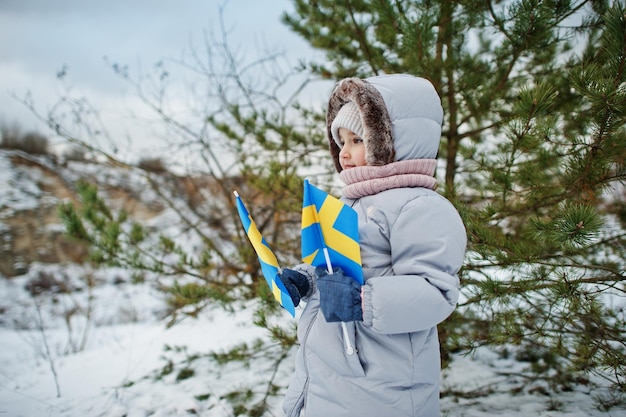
column 534, row 148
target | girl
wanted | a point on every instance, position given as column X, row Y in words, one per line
column 384, row 137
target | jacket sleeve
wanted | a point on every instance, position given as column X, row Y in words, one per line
column 427, row 242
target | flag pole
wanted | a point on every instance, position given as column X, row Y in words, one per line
column 329, row 267
column 346, row 336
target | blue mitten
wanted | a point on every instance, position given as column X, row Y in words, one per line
column 296, row 284
column 340, row 296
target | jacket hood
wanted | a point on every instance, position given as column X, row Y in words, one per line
column 401, row 116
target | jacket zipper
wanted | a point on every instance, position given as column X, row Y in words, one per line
column 302, row 400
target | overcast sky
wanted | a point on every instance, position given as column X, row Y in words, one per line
column 40, row 37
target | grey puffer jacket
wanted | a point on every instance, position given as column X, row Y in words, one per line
column 412, row 247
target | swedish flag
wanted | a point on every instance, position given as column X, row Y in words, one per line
column 267, row 259
column 330, row 233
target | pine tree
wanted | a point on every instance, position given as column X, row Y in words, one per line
column 534, row 144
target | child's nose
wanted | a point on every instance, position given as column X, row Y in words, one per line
column 344, row 153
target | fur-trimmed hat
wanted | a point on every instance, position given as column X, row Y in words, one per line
column 348, row 117
column 376, row 125
column 400, row 115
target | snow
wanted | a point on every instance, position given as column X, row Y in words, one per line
column 111, row 350
column 110, row 377
column 487, row 373
column 17, row 190
column 92, row 382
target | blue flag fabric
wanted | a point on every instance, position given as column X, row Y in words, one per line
column 267, row 259
column 330, row 233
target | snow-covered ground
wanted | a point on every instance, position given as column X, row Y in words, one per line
column 114, row 374
column 104, row 349
column 119, row 372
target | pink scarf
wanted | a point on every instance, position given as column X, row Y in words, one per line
column 368, row 180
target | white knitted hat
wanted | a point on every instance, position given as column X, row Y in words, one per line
column 348, row 117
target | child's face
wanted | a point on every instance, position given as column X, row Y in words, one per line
column 352, row 152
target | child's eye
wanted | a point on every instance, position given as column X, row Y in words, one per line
column 357, row 140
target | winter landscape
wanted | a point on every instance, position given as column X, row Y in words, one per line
column 104, row 348
column 164, row 110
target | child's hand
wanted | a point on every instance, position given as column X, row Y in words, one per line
column 340, row 296
column 296, row 284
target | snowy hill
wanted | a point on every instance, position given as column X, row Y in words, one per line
column 76, row 341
